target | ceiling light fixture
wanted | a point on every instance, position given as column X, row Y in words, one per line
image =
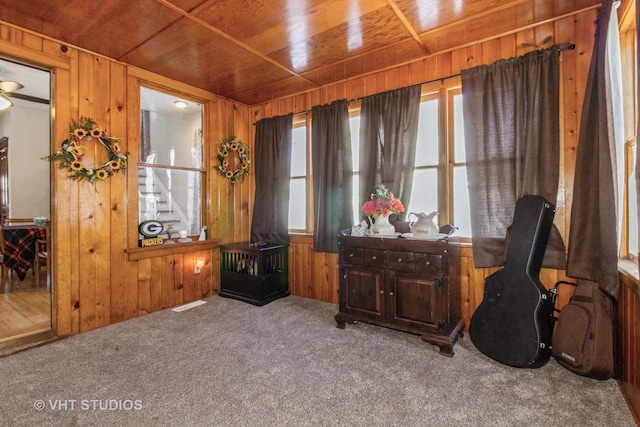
column 180, row 104
column 5, row 102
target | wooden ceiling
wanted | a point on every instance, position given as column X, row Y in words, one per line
column 252, row 51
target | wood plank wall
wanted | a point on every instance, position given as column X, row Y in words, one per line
column 315, row 275
column 628, row 343
column 95, row 283
column 92, row 228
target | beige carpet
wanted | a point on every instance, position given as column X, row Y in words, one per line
column 228, row 363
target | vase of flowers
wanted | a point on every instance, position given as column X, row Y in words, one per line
column 382, row 204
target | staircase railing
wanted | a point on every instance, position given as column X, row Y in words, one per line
column 166, row 193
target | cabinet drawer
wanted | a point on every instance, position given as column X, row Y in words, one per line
column 428, row 263
column 373, row 258
column 401, row 261
column 412, row 262
column 359, row 256
column 351, row 256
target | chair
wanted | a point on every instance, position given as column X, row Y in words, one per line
column 41, row 258
column 6, row 271
column 3, row 267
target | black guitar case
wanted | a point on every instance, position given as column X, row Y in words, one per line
column 514, row 322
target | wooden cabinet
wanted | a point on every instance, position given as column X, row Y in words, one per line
column 403, row 284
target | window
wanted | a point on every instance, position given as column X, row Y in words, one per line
column 461, row 213
column 424, row 195
column 631, row 203
column 627, row 180
column 300, row 180
column 628, row 203
column 354, row 124
column 171, row 170
column 440, row 174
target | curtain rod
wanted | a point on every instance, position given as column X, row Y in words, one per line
column 560, row 47
column 440, row 79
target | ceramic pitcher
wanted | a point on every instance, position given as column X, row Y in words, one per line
column 425, row 225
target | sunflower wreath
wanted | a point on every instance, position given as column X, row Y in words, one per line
column 71, row 153
column 235, row 171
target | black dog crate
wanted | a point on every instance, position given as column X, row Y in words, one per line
column 257, row 275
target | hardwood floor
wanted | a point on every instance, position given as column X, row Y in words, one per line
column 25, row 309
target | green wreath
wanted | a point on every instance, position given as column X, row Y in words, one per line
column 71, row 153
column 235, row 171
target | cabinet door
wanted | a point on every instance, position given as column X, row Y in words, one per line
column 414, row 300
column 362, row 292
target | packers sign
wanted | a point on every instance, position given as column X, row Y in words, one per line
column 149, row 231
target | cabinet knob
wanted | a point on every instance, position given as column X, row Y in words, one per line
column 374, row 257
column 391, row 293
column 399, row 259
column 351, row 254
column 382, row 292
column 427, row 263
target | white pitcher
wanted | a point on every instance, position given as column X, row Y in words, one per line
column 425, row 225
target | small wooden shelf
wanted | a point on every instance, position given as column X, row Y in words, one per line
column 135, row 254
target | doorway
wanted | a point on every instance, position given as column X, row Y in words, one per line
column 25, row 194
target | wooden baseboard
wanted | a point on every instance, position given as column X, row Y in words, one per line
column 26, row 342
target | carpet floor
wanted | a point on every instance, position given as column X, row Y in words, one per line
column 228, row 363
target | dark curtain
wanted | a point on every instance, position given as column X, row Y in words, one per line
column 593, row 246
column 332, row 174
column 272, row 160
column 512, row 141
column 388, row 139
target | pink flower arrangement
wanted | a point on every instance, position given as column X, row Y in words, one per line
column 382, row 202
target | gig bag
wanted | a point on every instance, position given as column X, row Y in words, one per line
column 582, row 340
